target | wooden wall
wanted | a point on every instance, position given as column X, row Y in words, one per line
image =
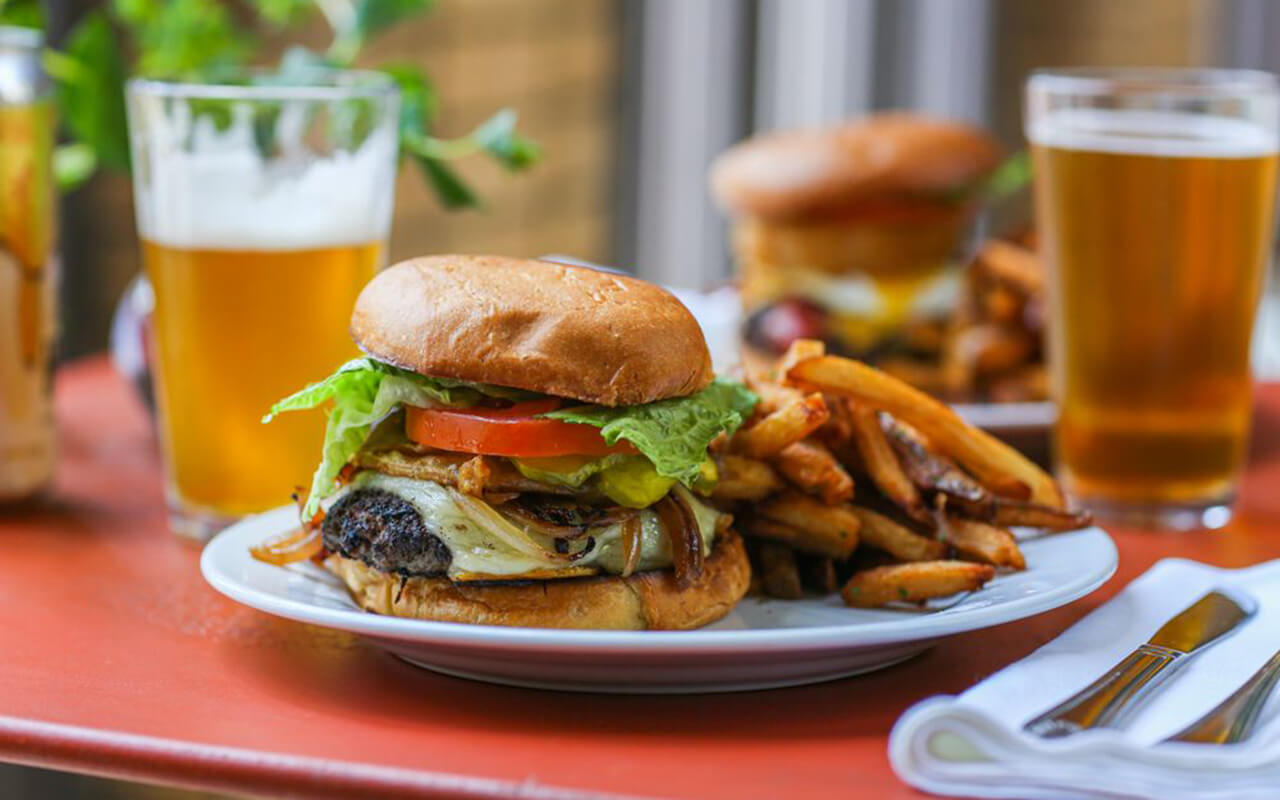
column 1057, row 33
column 557, row 62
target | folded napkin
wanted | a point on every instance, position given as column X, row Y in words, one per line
column 973, row 744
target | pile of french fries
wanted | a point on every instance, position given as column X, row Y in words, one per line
column 847, row 478
column 991, row 350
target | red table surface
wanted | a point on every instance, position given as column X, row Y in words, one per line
column 119, row 660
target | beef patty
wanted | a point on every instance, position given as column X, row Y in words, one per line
column 386, row 532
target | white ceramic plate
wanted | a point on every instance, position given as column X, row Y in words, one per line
column 1009, row 418
column 762, row 644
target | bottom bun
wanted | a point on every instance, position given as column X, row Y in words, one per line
column 646, row 600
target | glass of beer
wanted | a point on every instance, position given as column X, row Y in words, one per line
column 28, row 284
column 264, row 206
column 1155, row 197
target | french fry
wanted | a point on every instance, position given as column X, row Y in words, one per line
column 743, row 478
column 812, row 468
column 787, row 425
column 1002, row 304
column 778, row 570
column 828, row 546
column 820, row 529
column 978, row 541
column 1025, row 384
column 881, row 464
column 933, row 473
column 800, row 350
column 1012, row 264
column 997, row 465
column 926, row 377
column 990, row 349
column 838, row 429
column 762, row 528
column 914, row 583
column 773, row 395
column 818, row 574
column 1032, row 516
column 897, row 540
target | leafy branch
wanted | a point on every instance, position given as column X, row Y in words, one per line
column 205, row 40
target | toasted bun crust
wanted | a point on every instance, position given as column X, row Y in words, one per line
column 545, row 327
column 646, row 600
column 789, row 174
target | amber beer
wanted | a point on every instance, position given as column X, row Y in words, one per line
column 236, row 330
column 263, row 209
column 1157, row 229
column 27, row 282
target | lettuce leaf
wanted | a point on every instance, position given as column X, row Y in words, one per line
column 673, row 434
column 364, row 391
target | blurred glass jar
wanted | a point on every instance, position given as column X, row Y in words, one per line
column 28, row 268
column 855, row 234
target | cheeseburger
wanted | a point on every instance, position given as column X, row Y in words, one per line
column 851, row 233
column 525, row 443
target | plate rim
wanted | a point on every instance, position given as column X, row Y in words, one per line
column 1032, row 415
column 810, row 638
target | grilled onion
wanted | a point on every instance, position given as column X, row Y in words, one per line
column 632, row 540
column 597, row 518
column 681, row 527
column 290, row 548
column 504, row 530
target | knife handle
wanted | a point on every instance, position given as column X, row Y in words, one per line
column 1105, row 702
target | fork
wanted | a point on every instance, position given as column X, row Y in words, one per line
column 1234, row 718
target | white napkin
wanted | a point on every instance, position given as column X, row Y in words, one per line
column 973, row 744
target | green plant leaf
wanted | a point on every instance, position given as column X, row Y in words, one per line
column 450, row 190
column 498, row 136
column 418, row 99
column 90, row 90
column 1013, row 174
column 184, row 39
column 22, row 13
column 374, row 16
column 73, row 164
column 283, row 13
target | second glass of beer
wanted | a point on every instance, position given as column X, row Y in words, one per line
column 1155, row 198
column 263, row 207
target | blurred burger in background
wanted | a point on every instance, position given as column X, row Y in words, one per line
column 855, row 234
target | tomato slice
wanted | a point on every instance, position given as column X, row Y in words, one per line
column 516, row 432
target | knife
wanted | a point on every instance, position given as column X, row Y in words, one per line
column 1108, row 701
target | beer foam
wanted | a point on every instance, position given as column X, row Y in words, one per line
column 1152, row 133
column 202, row 188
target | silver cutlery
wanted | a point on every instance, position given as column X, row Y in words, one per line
column 1108, row 701
column 1233, row 719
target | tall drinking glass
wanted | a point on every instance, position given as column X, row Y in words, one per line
column 1155, row 193
column 263, row 208
column 28, row 288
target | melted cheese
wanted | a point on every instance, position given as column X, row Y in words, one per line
column 476, row 551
